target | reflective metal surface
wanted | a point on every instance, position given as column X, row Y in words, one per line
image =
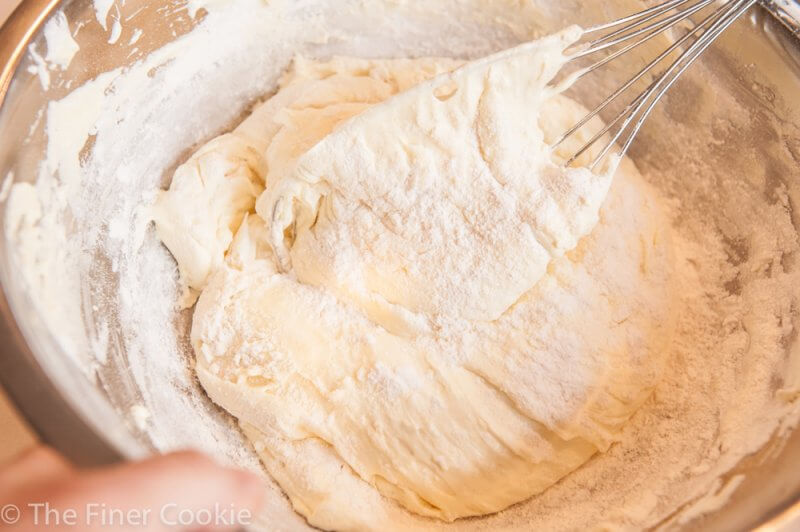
column 787, row 11
column 34, row 393
column 85, row 417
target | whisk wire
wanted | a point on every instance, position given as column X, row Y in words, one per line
column 660, row 26
column 636, row 112
column 716, row 14
column 714, row 32
column 636, row 17
column 657, row 31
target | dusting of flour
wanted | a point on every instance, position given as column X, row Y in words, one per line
column 732, row 382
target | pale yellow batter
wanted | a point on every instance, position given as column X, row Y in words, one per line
column 410, row 306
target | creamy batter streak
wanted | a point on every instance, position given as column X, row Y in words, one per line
column 410, row 306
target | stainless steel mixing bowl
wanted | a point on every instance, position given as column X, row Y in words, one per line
column 88, row 416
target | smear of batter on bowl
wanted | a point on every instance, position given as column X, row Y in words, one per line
column 404, row 292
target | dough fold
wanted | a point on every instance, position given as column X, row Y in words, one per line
column 423, row 315
column 443, row 201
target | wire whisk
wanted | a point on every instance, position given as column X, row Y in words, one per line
column 624, row 35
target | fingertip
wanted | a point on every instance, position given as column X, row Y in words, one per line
column 35, row 466
column 189, row 467
column 38, row 462
column 43, row 454
column 252, row 488
column 188, row 458
column 188, row 479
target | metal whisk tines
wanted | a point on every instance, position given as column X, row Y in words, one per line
column 622, row 36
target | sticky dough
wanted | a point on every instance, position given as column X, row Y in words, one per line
column 413, row 309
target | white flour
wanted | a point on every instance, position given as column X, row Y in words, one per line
column 733, row 378
column 332, row 370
